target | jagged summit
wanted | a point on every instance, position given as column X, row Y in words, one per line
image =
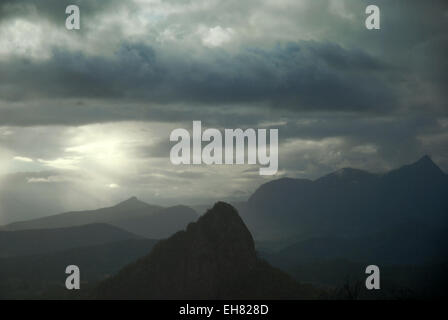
column 214, row 258
column 425, row 158
column 222, row 209
column 222, row 227
column 423, row 169
column 223, row 223
column 426, row 162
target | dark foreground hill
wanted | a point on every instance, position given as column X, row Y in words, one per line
column 31, row 242
column 214, row 258
column 43, row 276
column 133, row 215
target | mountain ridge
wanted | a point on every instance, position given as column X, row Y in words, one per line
column 132, row 215
column 348, row 200
column 130, row 205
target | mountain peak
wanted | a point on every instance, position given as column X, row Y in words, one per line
column 422, row 174
column 221, row 213
column 223, row 226
column 132, row 201
column 425, row 160
column 423, row 166
column 214, row 258
column 131, row 204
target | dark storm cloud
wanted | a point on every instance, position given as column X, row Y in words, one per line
column 349, row 69
column 297, row 76
column 54, row 10
column 395, row 138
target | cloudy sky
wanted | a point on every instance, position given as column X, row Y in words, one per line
column 85, row 116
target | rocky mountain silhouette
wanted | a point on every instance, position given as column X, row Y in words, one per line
column 214, row 258
column 132, row 215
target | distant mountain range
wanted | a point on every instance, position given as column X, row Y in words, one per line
column 334, row 226
column 214, row 258
column 132, row 215
column 348, row 202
